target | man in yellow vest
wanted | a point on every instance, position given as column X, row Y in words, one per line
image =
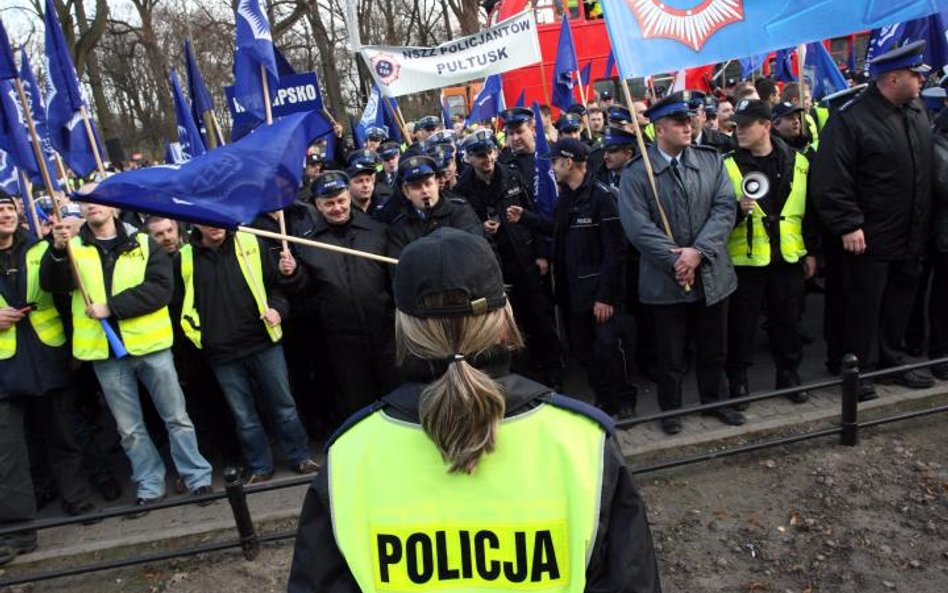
column 128, row 279
column 767, row 247
column 232, row 311
column 35, row 381
column 468, row 477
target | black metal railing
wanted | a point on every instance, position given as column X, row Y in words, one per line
column 249, row 541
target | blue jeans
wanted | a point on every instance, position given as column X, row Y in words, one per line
column 119, row 380
column 266, row 371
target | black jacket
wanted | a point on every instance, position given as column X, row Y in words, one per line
column 588, row 245
column 409, row 225
column 873, row 171
column 351, row 294
column 622, row 558
column 518, row 246
column 35, row 369
column 524, row 164
column 941, row 182
column 717, row 140
column 231, row 327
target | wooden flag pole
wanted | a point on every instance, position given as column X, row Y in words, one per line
column 218, row 134
column 28, row 202
column 281, row 219
column 640, row 140
column 318, row 245
column 87, row 123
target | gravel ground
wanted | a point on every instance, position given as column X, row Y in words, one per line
column 807, row 518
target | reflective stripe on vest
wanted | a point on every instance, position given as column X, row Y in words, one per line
column 247, row 250
column 792, row 247
column 141, row 335
column 45, row 318
column 526, row 519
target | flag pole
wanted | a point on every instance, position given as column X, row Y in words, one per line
column 648, row 167
column 546, row 91
column 87, row 123
column 318, row 245
column 281, row 219
column 801, row 57
column 29, row 202
column 218, row 134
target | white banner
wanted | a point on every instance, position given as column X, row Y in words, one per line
column 508, row 45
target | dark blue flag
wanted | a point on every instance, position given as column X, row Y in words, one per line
column 933, row 29
column 783, row 66
column 254, row 58
column 34, row 99
column 7, row 63
column 283, row 65
column 15, row 139
column 226, row 187
column 201, row 101
column 564, row 69
column 357, row 135
column 822, row 72
column 851, row 58
column 750, row 64
column 188, row 135
column 487, row 102
column 610, row 64
column 8, row 175
column 544, row 183
column 585, row 73
column 374, row 115
column 174, row 154
column 522, row 99
column 445, row 112
column 394, row 130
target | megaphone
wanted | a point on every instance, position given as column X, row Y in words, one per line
column 755, row 185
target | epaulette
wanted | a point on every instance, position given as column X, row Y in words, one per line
column 847, row 104
column 459, row 201
column 351, row 421
column 583, row 409
column 605, row 187
column 703, row 147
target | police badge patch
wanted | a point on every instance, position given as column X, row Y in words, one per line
column 690, row 26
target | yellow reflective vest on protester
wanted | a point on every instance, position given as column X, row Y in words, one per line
column 757, row 251
column 44, row 318
column 525, row 520
column 141, row 335
column 247, row 252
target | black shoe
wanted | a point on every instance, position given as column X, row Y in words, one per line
column 786, row 379
column 7, row 555
column 203, row 491
column 941, row 371
column 738, row 387
column 22, row 542
column 728, row 415
column 917, row 379
column 44, row 497
column 626, row 410
column 867, row 391
column 142, row 505
column 671, row 425
column 108, row 487
column 85, row 507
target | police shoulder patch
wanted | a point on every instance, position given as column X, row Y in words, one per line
column 605, row 187
column 582, row 408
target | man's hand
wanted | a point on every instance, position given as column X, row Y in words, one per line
column 337, row 129
column 62, row 233
column 9, row 317
column 272, row 317
column 855, row 242
column 543, row 265
column 747, row 205
column 602, row 312
column 97, row 311
column 491, row 226
column 287, row 263
column 689, row 259
column 514, row 214
column 809, row 267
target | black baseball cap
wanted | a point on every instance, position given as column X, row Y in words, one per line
column 569, row 148
column 750, row 110
column 785, row 108
column 448, row 260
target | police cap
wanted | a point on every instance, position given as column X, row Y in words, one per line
column 710, row 105
column 569, row 122
column 329, row 183
column 377, row 133
column 618, row 114
column 750, row 110
column 605, row 96
column 442, row 154
column 389, row 150
column 577, row 108
column 428, row 122
column 448, row 261
column 840, row 98
column 907, row 57
column 785, row 108
column 515, row 116
column 442, row 137
column 570, row 148
column 934, row 98
column 676, row 105
column 614, row 138
column 479, row 142
column 361, row 161
column 417, row 167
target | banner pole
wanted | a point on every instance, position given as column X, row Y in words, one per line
column 281, row 219
column 87, row 123
column 28, row 202
column 318, row 245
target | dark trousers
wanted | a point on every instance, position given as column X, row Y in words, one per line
column 938, row 308
column 363, row 371
column 600, row 350
column 780, row 287
column 877, row 300
column 834, row 303
column 678, row 324
column 53, row 414
column 533, row 311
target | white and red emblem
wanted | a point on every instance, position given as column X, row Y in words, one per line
column 691, row 26
column 386, row 67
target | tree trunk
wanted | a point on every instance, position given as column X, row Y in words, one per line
column 166, row 128
column 330, row 73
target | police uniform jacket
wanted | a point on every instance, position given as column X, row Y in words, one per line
column 941, row 183
column 517, row 245
column 523, row 163
column 874, row 171
column 701, row 215
column 622, row 556
column 351, row 294
column 717, row 140
column 35, row 369
column 410, row 224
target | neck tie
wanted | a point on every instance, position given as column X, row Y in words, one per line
column 677, row 173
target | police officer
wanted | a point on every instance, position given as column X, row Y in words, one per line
column 374, row 136
column 426, row 126
column 387, row 179
column 490, row 190
column 444, row 156
column 520, row 151
column 787, row 124
column 701, row 135
column 424, row 209
column 597, row 124
column 363, row 166
column 618, row 148
column 767, row 247
column 569, row 125
column 353, row 300
column 686, row 277
column 547, row 489
column 874, row 170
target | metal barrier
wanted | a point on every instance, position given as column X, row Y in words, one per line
column 249, row 540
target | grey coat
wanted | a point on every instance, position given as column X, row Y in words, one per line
column 703, row 219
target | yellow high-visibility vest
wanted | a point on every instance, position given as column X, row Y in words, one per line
column 45, row 318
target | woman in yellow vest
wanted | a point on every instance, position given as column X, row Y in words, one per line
column 468, row 477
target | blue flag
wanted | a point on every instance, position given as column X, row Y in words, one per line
column 7, row 63
column 822, row 72
column 8, row 175
column 522, row 99
column 201, row 101
column 372, row 116
column 544, row 183
column 226, row 187
column 174, row 154
column 487, row 102
column 783, row 66
column 15, row 139
column 851, row 58
column 933, row 29
column 445, row 113
column 34, row 99
column 655, row 37
column 357, row 136
column 564, row 69
column 752, row 63
column 585, row 73
column 610, row 63
column 188, row 135
column 254, row 53
column 394, row 131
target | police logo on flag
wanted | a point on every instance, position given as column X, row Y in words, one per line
column 690, row 26
column 386, row 67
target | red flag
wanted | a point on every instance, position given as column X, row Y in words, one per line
column 699, row 79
